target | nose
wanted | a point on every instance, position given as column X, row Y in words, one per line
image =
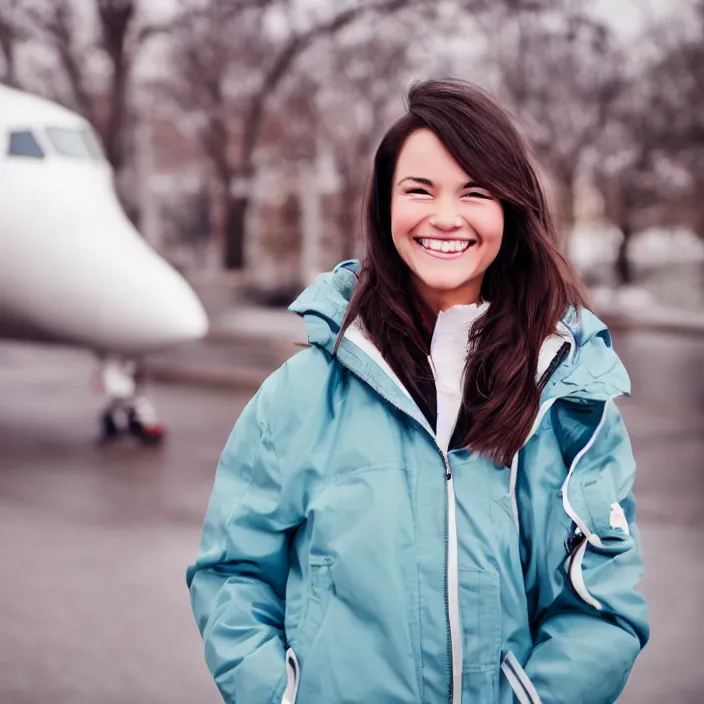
column 446, row 218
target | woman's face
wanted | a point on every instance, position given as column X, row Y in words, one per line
column 446, row 228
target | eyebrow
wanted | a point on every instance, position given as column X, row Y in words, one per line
column 430, row 184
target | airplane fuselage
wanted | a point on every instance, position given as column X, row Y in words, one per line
column 73, row 269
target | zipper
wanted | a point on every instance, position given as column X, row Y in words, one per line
column 451, row 587
column 451, row 576
column 452, row 613
column 453, row 619
column 452, row 606
column 557, row 360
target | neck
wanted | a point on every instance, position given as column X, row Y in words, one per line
column 444, row 307
column 441, row 300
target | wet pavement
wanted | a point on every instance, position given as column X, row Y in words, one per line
column 95, row 539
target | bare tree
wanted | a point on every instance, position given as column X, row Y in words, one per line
column 560, row 71
column 95, row 47
column 676, row 111
column 641, row 185
column 649, row 159
column 364, row 83
column 11, row 35
column 232, row 68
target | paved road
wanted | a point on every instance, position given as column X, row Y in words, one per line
column 93, row 607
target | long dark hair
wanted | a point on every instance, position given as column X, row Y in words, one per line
column 530, row 285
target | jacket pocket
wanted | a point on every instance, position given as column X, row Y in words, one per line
column 292, row 677
column 480, row 603
column 321, row 588
column 520, row 683
column 609, row 532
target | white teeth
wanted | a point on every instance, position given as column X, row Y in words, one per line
column 445, row 245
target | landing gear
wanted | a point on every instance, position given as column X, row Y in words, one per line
column 142, row 424
column 128, row 412
column 109, row 428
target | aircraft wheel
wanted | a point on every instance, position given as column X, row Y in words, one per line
column 148, row 433
column 108, row 426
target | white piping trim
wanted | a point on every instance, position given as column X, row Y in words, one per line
column 515, row 685
column 453, row 594
column 432, row 369
column 591, row 537
column 356, row 335
column 517, row 677
column 577, row 577
column 513, row 480
column 292, row 678
column 539, row 417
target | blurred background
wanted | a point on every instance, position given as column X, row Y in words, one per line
column 173, row 172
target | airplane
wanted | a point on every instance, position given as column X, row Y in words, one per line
column 73, row 269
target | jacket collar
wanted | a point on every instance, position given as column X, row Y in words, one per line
column 592, row 370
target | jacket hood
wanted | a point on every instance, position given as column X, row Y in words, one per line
column 593, row 370
column 323, row 304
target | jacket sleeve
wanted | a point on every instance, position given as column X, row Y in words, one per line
column 591, row 621
column 238, row 582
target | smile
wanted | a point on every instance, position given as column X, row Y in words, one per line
column 447, row 249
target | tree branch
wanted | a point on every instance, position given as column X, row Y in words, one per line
column 59, row 26
column 283, row 61
column 8, row 42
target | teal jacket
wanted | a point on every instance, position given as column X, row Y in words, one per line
column 346, row 558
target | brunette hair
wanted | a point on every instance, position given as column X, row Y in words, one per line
column 530, row 285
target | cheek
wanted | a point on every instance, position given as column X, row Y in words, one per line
column 405, row 215
column 490, row 225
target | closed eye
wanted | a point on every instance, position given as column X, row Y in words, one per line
column 418, row 191
column 478, row 194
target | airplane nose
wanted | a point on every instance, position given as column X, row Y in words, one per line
column 80, row 273
column 157, row 309
column 170, row 310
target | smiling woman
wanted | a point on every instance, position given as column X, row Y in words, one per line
column 443, row 216
column 432, row 503
column 456, row 215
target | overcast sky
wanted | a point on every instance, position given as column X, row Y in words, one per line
column 626, row 16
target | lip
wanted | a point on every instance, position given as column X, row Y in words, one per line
column 445, row 256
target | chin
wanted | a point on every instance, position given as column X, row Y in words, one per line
column 446, row 277
column 445, row 281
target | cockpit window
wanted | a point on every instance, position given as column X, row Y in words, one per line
column 23, row 143
column 93, row 144
column 72, row 143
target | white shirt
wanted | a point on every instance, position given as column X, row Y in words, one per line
column 448, row 356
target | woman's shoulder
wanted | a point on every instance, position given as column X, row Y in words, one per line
column 299, row 378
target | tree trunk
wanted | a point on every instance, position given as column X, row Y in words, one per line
column 348, row 222
column 624, row 271
column 562, row 188
column 235, row 223
column 8, row 52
